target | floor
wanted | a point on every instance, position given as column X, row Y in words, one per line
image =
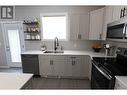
column 53, row 83
column 60, row 83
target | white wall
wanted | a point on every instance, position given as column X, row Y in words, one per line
column 31, row 12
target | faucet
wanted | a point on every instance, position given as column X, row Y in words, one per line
column 56, row 43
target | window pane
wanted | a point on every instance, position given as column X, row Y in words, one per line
column 14, row 42
column 54, row 27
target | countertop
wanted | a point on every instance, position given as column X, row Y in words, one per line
column 122, row 80
column 68, row 52
column 13, row 80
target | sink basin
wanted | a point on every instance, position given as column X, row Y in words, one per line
column 51, row 51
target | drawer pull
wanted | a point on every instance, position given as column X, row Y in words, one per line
column 51, row 62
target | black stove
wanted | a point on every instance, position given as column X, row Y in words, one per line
column 105, row 69
column 116, row 66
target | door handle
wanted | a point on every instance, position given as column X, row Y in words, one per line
column 109, row 77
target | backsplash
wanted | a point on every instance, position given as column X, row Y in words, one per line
column 67, row 45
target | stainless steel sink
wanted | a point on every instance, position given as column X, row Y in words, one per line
column 51, row 51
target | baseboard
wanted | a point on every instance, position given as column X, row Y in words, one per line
column 4, row 66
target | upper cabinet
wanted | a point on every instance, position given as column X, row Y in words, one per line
column 96, row 24
column 111, row 13
column 108, row 17
column 79, row 26
column 100, row 18
column 116, row 12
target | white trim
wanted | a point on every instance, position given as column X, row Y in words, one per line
column 3, row 32
column 56, row 14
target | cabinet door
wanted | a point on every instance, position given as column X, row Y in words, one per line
column 46, row 65
column 73, row 66
column 83, row 26
column 79, row 26
column 84, row 70
column 108, row 17
column 58, row 65
column 76, row 66
column 96, row 24
column 116, row 12
column 68, row 67
column 74, row 26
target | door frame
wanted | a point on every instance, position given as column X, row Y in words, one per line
column 22, row 45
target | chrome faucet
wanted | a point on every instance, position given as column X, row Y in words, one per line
column 56, row 43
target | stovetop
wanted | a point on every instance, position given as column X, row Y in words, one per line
column 116, row 66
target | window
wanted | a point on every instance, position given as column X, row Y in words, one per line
column 54, row 25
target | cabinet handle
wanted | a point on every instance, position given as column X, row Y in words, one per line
column 73, row 63
column 51, row 62
column 79, row 36
column 100, row 36
column 73, row 57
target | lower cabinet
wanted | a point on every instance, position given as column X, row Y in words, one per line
column 51, row 65
column 64, row 66
column 120, row 85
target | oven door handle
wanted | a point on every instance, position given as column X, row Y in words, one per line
column 101, row 71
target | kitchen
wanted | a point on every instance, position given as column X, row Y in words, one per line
column 67, row 58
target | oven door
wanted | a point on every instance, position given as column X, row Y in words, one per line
column 100, row 78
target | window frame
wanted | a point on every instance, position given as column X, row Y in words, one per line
column 55, row 14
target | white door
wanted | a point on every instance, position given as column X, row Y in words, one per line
column 14, row 43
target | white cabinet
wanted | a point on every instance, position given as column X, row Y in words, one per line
column 85, row 65
column 96, row 24
column 73, row 66
column 51, row 65
column 111, row 13
column 45, row 65
column 108, row 18
column 66, row 66
column 119, row 85
column 58, row 65
column 77, row 66
column 79, row 26
column 116, row 12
